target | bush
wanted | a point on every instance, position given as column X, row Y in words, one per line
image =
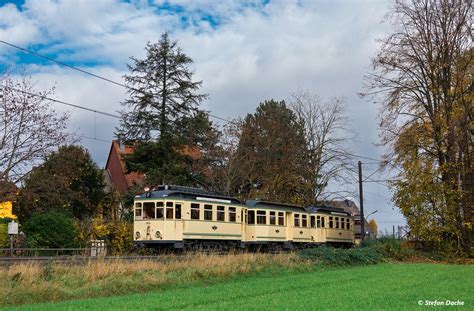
column 4, row 238
column 343, row 257
column 119, row 239
column 389, row 247
column 118, row 235
column 51, row 230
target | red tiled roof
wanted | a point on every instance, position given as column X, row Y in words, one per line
column 117, row 171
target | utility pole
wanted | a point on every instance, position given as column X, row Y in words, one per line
column 361, row 197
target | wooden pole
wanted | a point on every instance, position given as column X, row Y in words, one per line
column 361, row 197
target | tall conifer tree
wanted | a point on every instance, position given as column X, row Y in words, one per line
column 164, row 101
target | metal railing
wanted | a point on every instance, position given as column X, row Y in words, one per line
column 44, row 252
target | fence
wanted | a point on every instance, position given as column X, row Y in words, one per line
column 97, row 249
column 44, row 252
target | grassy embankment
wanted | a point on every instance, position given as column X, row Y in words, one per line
column 309, row 273
column 28, row 283
column 391, row 286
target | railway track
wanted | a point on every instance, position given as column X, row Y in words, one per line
column 78, row 260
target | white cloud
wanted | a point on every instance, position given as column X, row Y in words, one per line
column 16, row 28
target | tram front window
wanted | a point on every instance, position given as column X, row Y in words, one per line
column 149, row 210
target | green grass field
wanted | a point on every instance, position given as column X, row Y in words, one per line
column 384, row 286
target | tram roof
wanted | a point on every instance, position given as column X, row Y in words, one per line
column 187, row 193
column 327, row 210
column 269, row 205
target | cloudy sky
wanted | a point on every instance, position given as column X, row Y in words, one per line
column 244, row 51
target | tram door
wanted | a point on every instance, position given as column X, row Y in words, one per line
column 178, row 223
column 243, row 222
column 173, row 224
column 289, row 226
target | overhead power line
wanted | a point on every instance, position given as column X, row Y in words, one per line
column 64, row 64
column 63, row 102
column 354, row 155
column 133, row 89
column 92, row 138
column 381, row 180
column 373, row 173
column 89, row 73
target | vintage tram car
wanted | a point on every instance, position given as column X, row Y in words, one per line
column 189, row 218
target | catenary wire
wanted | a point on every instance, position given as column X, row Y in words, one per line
column 88, row 73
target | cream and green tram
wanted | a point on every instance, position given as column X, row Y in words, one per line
column 331, row 225
column 182, row 217
column 276, row 225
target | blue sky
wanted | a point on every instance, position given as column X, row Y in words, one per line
column 203, row 18
column 244, row 51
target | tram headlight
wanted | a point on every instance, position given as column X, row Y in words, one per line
column 137, row 235
column 158, row 234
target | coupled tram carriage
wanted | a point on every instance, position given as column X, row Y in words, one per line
column 193, row 219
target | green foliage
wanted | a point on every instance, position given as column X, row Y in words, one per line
column 119, row 238
column 51, row 230
column 389, row 247
column 172, row 137
column 161, row 163
column 270, row 154
column 181, row 159
column 117, row 234
column 68, row 181
column 4, row 238
column 7, row 220
column 371, row 251
column 343, row 257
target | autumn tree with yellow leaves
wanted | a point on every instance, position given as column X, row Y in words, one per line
column 423, row 79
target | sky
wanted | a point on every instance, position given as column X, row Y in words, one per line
column 244, row 51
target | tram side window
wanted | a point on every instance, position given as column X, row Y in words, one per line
column 323, row 225
column 232, row 214
column 159, row 210
column 304, row 221
column 207, row 212
column 336, row 221
column 343, row 222
column 313, row 221
column 318, row 221
column 169, row 210
column 272, row 218
column 138, row 211
column 220, row 213
column 149, row 210
column 195, row 209
column 330, row 222
column 261, row 217
column 348, row 223
column 297, row 220
column 281, row 218
column 177, row 209
column 251, row 217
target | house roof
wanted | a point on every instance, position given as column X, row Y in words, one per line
column 116, row 170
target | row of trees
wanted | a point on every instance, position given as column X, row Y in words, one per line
column 284, row 152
